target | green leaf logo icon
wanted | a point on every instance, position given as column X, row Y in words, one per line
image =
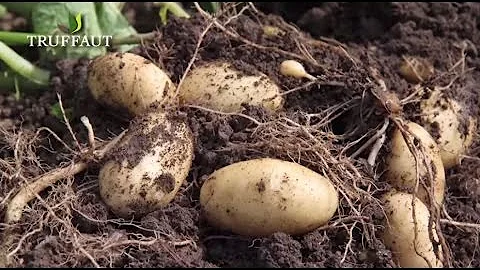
column 75, row 25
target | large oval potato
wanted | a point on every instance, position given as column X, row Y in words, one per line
column 401, row 165
column 400, row 230
column 443, row 116
column 148, row 166
column 263, row 196
column 129, row 81
column 218, row 86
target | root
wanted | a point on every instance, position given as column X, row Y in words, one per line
column 255, row 45
column 91, row 134
column 31, row 190
column 461, row 224
column 67, row 123
column 349, row 243
column 434, row 209
column 189, row 66
column 377, row 136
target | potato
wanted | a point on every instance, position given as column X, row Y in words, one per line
column 129, row 81
column 401, row 165
column 416, row 70
column 442, row 116
column 399, row 235
column 220, row 87
column 148, row 166
column 262, row 196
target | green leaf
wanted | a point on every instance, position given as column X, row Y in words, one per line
column 112, row 22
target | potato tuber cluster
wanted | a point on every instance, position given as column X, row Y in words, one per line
column 151, row 162
column 444, row 133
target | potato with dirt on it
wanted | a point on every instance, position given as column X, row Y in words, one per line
column 262, row 196
column 450, row 124
column 416, row 70
column 148, row 166
column 401, row 165
column 400, row 230
column 129, row 81
column 221, row 87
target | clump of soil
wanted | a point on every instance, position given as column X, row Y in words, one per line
column 76, row 229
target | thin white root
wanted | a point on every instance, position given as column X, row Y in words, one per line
column 375, row 149
column 377, row 135
column 91, row 135
column 67, row 123
column 460, row 224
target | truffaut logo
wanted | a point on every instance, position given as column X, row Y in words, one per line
column 66, row 36
column 77, row 24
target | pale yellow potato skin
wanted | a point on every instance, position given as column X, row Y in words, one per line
column 399, row 234
column 129, row 81
column 401, row 165
column 162, row 168
column 218, row 86
column 446, row 112
column 263, row 196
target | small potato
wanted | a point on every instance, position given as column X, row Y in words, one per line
column 148, row 166
column 416, row 70
column 400, row 228
column 443, row 117
column 129, row 81
column 263, row 196
column 220, row 87
column 401, row 165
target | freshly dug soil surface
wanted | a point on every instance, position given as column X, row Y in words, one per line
column 351, row 38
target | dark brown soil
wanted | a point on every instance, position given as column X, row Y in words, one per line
column 374, row 34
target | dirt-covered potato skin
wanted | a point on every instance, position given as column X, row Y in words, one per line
column 401, row 164
column 399, row 234
column 218, row 86
column 262, row 196
column 443, row 116
column 148, row 166
column 129, row 81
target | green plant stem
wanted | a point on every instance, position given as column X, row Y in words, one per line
column 23, row 67
column 173, row 7
column 176, row 9
column 21, row 38
column 15, row 38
